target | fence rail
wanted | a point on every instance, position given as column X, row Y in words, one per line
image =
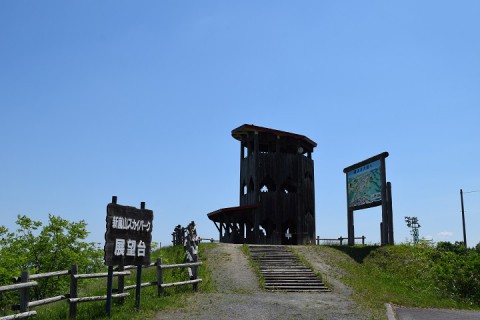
column 20, row 315
column 97, row 298
column 44, row 275
column 340, row 239
column 73, row 298
column 18, row 286
column 100, row 275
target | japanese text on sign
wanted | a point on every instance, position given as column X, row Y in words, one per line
column 132, row 249
column 128, row 235
column 123, row 223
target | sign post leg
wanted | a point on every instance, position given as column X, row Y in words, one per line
column 109, row 291
column 351, row 228
column 138, row 288
column 390, row 214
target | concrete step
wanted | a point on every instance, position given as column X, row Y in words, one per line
column 297, row 289
column 295, row 283
column 283, row 271
column 286, row 279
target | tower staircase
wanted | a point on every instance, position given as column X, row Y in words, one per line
column 283, row 271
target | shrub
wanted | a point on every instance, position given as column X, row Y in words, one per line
column 457, row 272
column 37, row 248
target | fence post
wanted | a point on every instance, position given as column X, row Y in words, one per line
column 363, row 240
column 341, row 240
column 108, row 306
column 139, row 287
column 121, row 282
column 195, row 273
column 159, row 276
column 73, row 291
column 25, row 277
column 318, row 240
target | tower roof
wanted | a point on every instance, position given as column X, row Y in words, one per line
column 241, row 134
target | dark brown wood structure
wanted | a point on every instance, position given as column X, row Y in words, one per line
column 277, row 195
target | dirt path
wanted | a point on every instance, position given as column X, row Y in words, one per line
column 240, row 297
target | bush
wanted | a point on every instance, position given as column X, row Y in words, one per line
column 457, row 272
column 450, row 270
column 53, row 247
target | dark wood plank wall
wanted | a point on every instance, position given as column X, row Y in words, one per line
column 279, row 210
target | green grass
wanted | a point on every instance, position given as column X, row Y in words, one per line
column 254, row 265
column 150, row 302
column 402, row 274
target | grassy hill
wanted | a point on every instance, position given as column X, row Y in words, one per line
column 150, row 302
column 446, row 276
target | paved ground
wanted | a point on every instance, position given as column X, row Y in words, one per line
column 435, row 314
column 241, row 298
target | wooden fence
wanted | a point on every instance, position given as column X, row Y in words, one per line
column 339, row 239
column 191, row 241
column 27, row 281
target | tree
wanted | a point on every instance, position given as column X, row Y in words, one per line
column 53, row 247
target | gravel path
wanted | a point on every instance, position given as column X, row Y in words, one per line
column 240, row 297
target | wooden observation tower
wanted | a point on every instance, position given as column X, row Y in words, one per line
column 277, row 195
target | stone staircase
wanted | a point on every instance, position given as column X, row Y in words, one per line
column 283, row 271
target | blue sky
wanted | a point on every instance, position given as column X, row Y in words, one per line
column 138, row 100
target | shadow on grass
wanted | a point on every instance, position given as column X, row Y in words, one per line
column 356, row 253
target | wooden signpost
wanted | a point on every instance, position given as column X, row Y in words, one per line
column 127, row 242
column 367, row 187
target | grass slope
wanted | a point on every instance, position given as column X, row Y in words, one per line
column 406, row 275
column 150, row 304
column 444, row 277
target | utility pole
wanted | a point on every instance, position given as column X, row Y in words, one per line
column 463, row 219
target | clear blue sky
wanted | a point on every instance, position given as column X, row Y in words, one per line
column 138, row 99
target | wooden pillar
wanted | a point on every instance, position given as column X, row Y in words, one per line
column 138, row 287
column 242, row 232
column 221, row 232
column 73, row 291
column 24, row 297
column 351, row 227
column 390, row 213
column 312, row 208
column 382, row 235
column 109, row 291
column 242, row 156
column 159, row 277
column 385, row 223
column 256, row 226
column 121, row 280
column 195, row 273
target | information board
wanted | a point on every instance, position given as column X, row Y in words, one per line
column 129, row 235
column 364, row 185
column 367, row 187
